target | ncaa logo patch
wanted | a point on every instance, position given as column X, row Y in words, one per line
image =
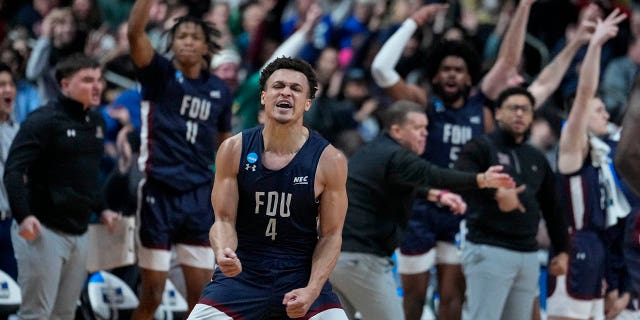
column 252, row 157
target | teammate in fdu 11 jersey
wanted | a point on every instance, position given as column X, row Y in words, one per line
column 186, row 114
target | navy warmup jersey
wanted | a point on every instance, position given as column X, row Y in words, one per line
column 584, row 198
column 181, row 119
column 449, row 129
column 277, row 210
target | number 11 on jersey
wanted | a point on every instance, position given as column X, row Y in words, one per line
column 192, row 131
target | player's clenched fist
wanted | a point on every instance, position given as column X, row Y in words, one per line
column 229, row 263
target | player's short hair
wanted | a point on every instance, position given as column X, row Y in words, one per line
column 291, row 64
column 398, row 111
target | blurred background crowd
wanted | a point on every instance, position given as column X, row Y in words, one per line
column 341, row 42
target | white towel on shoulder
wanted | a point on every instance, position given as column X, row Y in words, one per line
column 617, row 204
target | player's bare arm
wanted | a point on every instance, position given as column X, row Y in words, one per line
column 141, row 48
column 388, row 56
column 504, row 72
column 330, row 186
column 550, row 77
column 224, row 198
column 574, row 139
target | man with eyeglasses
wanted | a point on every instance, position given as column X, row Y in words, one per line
column 499, row 256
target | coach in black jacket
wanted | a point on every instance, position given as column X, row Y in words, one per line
column 499, row 259
column 51, row 177
column 381, row 184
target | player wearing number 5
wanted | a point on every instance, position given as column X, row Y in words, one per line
column 186, row 114
column 280, row 202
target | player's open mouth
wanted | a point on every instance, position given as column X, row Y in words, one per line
column 284, row 105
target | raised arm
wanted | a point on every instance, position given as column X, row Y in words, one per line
column 383, row 66
column 504, row 72
column 574, row 138
column 332, row 175
column 141, row 48
column 628, row 154
column 294, row 44
column 224, row 198
column 549, row 78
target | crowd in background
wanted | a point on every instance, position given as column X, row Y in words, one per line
column 340, row 41
column 341, row 47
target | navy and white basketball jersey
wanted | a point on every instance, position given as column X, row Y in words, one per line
column 277, row 209
column 449, row 128
column 181, row 119
column 584, row 198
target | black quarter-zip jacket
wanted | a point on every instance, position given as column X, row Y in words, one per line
column 512, row 230
column 381, row 185
column 52, row 170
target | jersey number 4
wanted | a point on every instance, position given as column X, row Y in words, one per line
column 271, row 229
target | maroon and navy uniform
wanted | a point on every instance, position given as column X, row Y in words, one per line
column 181, row 120
column 449, row 129
column 585, row 200
column 277, row 234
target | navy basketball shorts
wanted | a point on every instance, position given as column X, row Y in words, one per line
column 430, row 227
column 257, row 292
column 579, row 293
column 169, row 217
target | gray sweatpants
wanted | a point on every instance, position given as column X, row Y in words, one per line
column 501, row 283
column 51, row 273
column 364, row 283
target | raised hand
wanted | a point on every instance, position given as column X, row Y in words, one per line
column 427, row 13
column 607, row 28
column 508, row 200
column 228, row 262
column 493, row 178
column 312, row 17
column 585, row 31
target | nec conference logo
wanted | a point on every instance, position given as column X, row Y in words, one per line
column 301, row 180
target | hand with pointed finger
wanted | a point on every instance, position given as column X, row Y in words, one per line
column 228, row 262
column 454, row 202
column 299, row 301
column 494, row 178
column 508, row 199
